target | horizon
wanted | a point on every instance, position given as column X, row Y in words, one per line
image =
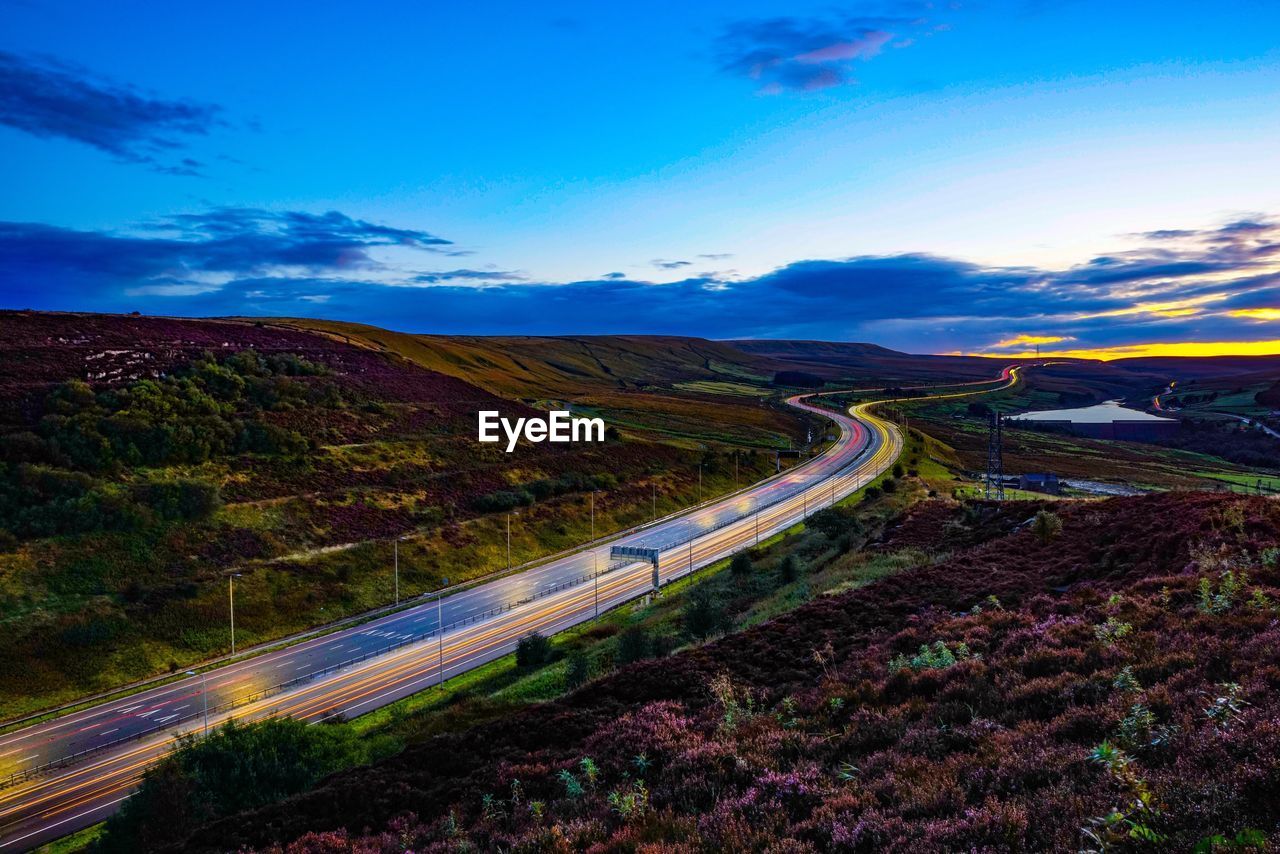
column 930, row 178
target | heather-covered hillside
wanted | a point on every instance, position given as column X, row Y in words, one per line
column 143, row 458
column 1113, row 683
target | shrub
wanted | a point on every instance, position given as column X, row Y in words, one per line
column 897, row 470
column 935, row 656
column 577, row 670
column 206, row 779
column 1046, row 525
column 533, row 650
column 888, row 486
column 181, row 499
column 634, row 645
column 790, row 569
column 871, row 493
column 703, row 614
column 741, row 564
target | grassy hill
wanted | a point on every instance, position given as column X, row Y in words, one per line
column 141, row 459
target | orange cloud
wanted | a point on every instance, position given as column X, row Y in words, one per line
column 1024, row 340
column 1170, row 348
column 1256, row 313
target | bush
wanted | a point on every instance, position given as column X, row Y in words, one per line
column 1046, row 526
column 888, row 486
column 634, row 645
column 533, row 650
column 181, row 499
column 577, row 670
column 741, row 564
column 790, row 570
column 871, row 493
column 236, row 769
column 703, row 614
column 897, row 470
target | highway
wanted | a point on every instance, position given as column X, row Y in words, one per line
column 72, row 771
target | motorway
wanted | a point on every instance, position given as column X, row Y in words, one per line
column 72, row 771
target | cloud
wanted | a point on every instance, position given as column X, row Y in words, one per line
column 806, row 54
column 1215, row 285
column 479, row 276
column 50, row 99
column 193, row 254
column 664, row 264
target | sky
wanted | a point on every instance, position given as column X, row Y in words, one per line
column 1092, row 178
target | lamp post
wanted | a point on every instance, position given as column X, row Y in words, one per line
column 231, row 602
column 593, row 514
column 204, row 695
column 595, row 575
column 655, row 500
column 699, row 483
column 508, row 539
column 396, row 547
column 440, row 628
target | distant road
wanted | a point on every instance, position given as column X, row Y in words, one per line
column 100, row 752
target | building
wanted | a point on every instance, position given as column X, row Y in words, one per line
column 1046, row 483
column 1107, row 420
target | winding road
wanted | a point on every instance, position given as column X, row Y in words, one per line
column 72, row 771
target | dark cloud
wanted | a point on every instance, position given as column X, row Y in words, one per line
column 190, row 253
column 805, row 54
column 664, row 264
column 50, row 99
column 238, row 261
column 445, row 276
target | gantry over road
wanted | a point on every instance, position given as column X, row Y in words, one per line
column 72, row 771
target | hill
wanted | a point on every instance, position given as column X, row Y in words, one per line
column 1107, row 685
column 142, row 459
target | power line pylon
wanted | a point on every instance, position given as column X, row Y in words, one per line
column 995, row 458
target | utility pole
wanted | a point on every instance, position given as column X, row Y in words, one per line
column 440, row 628
column 735, row 470
column 691, row 557
column 593, row 515
column 995, row 458
column 699, row 483
column 655, row 501
column 595, row 575
column 757, row 524
column 508, row 540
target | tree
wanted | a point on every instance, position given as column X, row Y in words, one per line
column 633, row 645
column 206, row 779
column 835, row 522
column 577, row 670
column 533, row 650
column 897, row 470
column 741, row 564
column 790, row 570
column 1046, row 526
column 703, row 614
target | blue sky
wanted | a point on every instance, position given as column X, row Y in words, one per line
column 937, row 177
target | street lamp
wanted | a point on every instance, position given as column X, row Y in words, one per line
column 204, row 695
column 593, row 514
column 440, row 628
column 699, row 483
column 231, row 601
column 397, row 566
column 508, row 540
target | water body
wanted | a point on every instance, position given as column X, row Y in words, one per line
column 1102, row 413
